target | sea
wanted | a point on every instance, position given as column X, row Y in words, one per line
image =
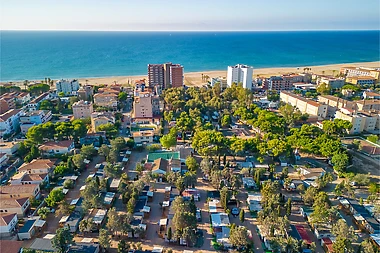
column 35, row 55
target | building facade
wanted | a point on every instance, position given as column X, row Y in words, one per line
column 305, row 105
column 82, row 109
column 334, row 82
column 361, row 80
column 361, row 121
column 69, row 87
column 106, row 100
column 85, row 93
column 142, row 105
column 101, row 118
column 165, row 75
column 33, row 118
column 354, row 71
column 9, row 122
column 240, row 74
column 221, row 80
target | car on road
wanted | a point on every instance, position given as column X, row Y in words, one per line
column 235, row 211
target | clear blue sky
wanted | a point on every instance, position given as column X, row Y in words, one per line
column 174, row 15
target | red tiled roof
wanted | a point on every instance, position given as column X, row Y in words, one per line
column 8, row 114
column 54, row 145
column 303, row 233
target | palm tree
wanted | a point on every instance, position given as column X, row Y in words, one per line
column 26, row 84
column 202, row 77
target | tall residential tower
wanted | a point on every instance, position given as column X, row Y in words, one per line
column 240, row 74
column 165, row 75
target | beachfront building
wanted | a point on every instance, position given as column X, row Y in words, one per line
column 284, row 82
column 101, row 118
column 334, row 82
column 33, row 118
column 69, row 87
column 354, row 71
column 221, row 80
column 361, row 80
column 308, row 106
column 9, row 122
column 240, row 74
column 165, row 75
column 106, row 99
column 82, row 109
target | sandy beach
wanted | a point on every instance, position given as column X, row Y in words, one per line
column 195, row 78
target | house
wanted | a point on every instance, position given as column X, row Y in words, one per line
column 9, row 147
column 223, row 236
column 115, row 184
column 73, row 221
column 9, row 122
column 8, row 222
column 14, row 205
column 371, row 95
column 108, row 199
column 42, row 244
column 84, row 248
column 186, row 194
column 143, row 137
column 108, row 100
column 8, row 246
column 184, row 153
column 38, row 166
column 56, row 148
column 23, row 178
column 20, row 191
column 254, row 202
column 35, row 103
column 361, row 216
column 96, row 139
column 160, row 166
column 101, row 118
column 219, row 220
column 27, row 231
column 99, row 217
column 311, row 173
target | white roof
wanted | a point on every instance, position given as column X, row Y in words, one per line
column 86, row 161
column 146, row 209
column 82, row 188
column 220, row 220
column 163, row 222
column 39, row 223
column 74, row 201
column 157, row 249
column 65, row 191
column 63, row 219
column 49, row 236
column 87, row 240
column 99, row 216
column 166, row 203
column 254, row 197
column 115, row 183
column 376, row 238
column 74, row 178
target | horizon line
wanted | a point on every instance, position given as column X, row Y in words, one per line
column 295, row 30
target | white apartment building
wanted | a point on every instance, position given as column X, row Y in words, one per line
column 221, row 80
column 33, row 118
column 240, row 74
column 9, row 122
column 305, row 105
column 69, row 87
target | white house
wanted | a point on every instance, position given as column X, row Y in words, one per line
column 240, row 74
column 57, row 148
column 8, row 223
column 9, row 121
column 68, row 87
column 9, row 148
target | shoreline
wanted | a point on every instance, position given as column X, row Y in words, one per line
column 195, row 78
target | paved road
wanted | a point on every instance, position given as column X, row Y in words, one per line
column 52, row 221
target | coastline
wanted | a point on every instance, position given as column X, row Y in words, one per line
column 195, row 78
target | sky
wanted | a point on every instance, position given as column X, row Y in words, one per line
column 189, row 15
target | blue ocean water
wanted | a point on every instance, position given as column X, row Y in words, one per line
column 39, row 54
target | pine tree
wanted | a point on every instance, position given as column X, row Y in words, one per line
column 169, row 235
column 241, row 215
column 289, row 207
